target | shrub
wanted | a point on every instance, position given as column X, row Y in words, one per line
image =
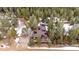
column 12, row 32
column 74, row 33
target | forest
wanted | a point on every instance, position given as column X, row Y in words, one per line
column 54, row 18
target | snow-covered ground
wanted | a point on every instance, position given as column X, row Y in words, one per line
column 4, row 46
column 21, row 25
